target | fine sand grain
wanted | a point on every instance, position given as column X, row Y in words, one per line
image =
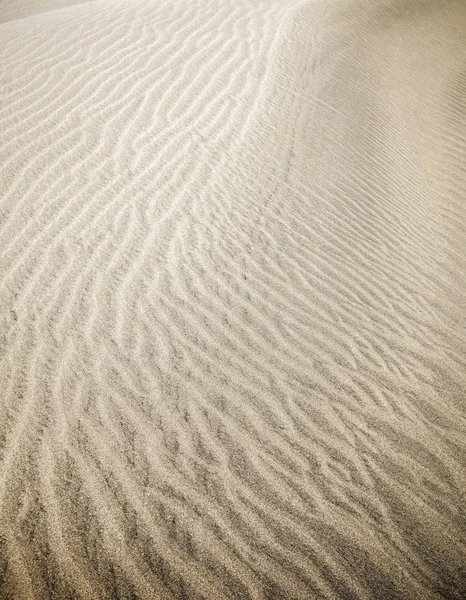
column 232, row 299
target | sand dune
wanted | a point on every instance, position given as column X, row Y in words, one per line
column 232, row 299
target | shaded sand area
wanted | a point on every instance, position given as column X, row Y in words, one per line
column 232, row 299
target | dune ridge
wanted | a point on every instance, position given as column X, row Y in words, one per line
column 232, row 299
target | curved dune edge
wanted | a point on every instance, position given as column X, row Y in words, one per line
column 232, row 300
column 12, row 10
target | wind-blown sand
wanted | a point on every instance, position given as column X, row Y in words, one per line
column 233, row 299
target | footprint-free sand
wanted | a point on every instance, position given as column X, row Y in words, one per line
column 232, row 300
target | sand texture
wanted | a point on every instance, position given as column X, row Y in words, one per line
column 233, row 300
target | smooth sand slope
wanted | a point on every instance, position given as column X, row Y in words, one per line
column 233, row 299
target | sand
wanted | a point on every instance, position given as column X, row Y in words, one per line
column 232, row 299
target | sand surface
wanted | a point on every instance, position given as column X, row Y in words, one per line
column 232, row 299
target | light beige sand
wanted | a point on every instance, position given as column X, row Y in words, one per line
column 233, row 299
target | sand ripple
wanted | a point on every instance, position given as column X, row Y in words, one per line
column 232, row 299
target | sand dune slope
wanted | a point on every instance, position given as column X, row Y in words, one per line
column 232, row 299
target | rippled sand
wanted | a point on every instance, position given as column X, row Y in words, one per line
column 232, row 299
